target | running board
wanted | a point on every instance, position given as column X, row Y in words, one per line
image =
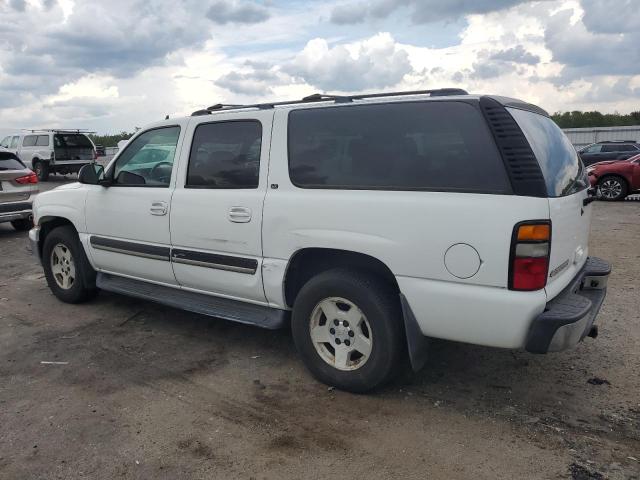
column 236, row 311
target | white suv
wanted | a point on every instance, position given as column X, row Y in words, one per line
column 370, row 222
column 52, row 151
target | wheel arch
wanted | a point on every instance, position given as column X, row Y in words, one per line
column 308, row 262
column 48, row 224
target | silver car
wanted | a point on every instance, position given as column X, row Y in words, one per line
column 18, row 186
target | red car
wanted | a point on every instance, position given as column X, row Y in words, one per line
column 616, row 179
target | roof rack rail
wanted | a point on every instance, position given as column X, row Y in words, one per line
column 322, row 97
column 57, row 130
column 618, row 141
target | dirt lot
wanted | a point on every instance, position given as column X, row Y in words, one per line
column 150, row 392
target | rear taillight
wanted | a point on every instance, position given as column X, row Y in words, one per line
column 31, row 178
column 529, row 262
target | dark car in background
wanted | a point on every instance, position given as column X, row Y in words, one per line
column 616, row 179
column 609, row 150
column 100, row 150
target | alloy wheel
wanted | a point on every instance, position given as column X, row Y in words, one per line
column 341, row 333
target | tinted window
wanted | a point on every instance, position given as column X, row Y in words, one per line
column 626, row 148
column 592, row 149
column 148, row 159
column 395, row 146
column 10, row 162
column 562, row 169
column 70, row 140
column 225, row 155
column 42, row 141
column 29, row 141
column 14, row 142
column 611, row 148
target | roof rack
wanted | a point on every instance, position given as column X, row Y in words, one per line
column 321, row 97
column 57, row 130
column 618, row 141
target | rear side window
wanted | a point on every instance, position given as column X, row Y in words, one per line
column 42, row 141
column 441, row 145
column 29, row 141
column 561, row 167
column 71, row 140
column 592, row 149
column 225, row 155
column 10, row 162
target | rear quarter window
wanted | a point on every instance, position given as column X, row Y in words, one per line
column 561, row 167
column 440, row 146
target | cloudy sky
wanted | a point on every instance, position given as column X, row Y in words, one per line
column 114, row 65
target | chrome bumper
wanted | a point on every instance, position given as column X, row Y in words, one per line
column 34, row 242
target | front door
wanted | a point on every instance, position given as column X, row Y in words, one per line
column 216, row 210
column 128, row 221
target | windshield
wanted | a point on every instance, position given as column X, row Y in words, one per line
column 561, row 167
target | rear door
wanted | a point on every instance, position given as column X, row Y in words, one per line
column 216, row 210
column 566, row 182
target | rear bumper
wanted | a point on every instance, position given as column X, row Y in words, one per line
column 568, row 318
column 15, row 211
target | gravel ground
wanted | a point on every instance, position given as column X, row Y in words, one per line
column 144, row 391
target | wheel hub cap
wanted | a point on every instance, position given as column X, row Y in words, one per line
column 62, row 266
column 610, row 188
column 341, row 333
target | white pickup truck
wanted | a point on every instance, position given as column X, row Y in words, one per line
column 369, row 223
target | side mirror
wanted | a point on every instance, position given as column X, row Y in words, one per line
column 91, row 174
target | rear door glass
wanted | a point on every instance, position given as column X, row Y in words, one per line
column 561, row 167
column 42, row 141
column 29, row 141
column 440, row 146
column 9, row 162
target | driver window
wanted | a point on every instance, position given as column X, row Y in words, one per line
column 148, row 159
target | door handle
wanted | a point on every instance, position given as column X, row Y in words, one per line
column 158, row 208
column 239, row 214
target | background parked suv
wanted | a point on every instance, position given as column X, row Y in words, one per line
column 609, row 150
column 18, row 186
column 52, row 151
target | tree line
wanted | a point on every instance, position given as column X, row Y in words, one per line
column 112, row 139
column 579, row 119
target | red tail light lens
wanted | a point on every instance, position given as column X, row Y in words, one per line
column 530, row 248
column 31, row 178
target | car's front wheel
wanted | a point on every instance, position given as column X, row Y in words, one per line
column 612, row 188
column 66, row 267
column 348, row 328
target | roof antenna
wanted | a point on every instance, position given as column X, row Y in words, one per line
column 167, row 117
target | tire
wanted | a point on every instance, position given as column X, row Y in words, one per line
column 22, row 225
column 377, row 306
column 66, row 267
column 42, row 170
column 613, row 188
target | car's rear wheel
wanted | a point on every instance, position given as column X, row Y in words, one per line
column 612, row 188
column 67, row 270
column 22, row 225
column 348, row 328
column 42, row 170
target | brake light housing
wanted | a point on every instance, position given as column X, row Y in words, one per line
column 31, row 178
column 529, row 257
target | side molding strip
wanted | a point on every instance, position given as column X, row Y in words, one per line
column 131, row 248
column 211, row 260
